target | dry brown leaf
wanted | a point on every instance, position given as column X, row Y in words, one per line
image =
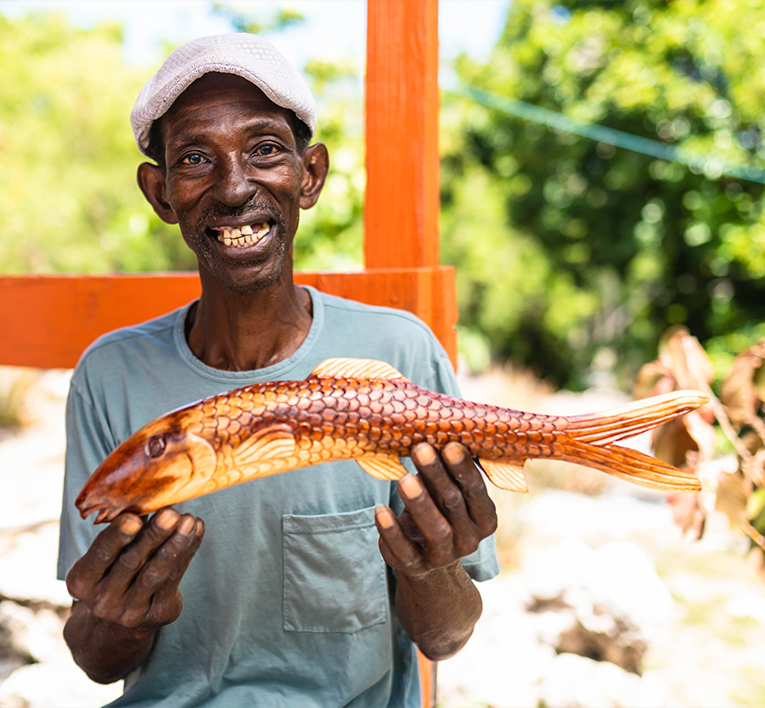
column 732, row 496
column 738, row 391
column 686, row 359
column 754, row 467
column 653, row 379
column 672, row 442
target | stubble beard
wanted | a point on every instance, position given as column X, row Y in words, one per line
column 208, row 258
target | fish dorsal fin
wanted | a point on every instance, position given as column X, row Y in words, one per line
column 506, row 474
column 272, row 442
column 385, row 467
column 357, row 369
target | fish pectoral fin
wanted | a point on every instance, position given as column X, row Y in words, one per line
column 357, row 369
column 272, row 442
column 385, row 467
column 505, row 474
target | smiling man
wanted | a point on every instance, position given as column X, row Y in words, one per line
column 305, row 589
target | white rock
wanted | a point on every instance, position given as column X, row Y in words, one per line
column 55, row 684
column 573, row 681
column 28, row 567
column 37, row 633
column 503, row 662
column 618, row 577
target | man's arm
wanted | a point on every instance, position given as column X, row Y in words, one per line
column 126, row 586
column 448, row 512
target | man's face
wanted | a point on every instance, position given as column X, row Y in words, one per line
column 234, row 180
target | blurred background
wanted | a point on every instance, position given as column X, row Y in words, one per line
column 601, row 198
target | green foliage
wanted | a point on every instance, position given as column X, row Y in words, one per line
column 623, row 244
column 331, row 234
column 68, row 195
column 242, row 19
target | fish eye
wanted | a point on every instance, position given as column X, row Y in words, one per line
column 155, row 445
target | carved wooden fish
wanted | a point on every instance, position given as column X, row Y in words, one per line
column 363, row 410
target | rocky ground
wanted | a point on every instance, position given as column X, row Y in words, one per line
column 589, row 566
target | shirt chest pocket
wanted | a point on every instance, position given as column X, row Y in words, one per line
column 334, row 575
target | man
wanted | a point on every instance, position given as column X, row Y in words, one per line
column 290, row 600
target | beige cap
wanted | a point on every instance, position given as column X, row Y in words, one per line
column 246, row 55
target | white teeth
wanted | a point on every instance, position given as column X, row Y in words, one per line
column 243, row 236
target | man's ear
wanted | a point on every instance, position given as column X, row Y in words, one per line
column 316, row 162
column 151, row 180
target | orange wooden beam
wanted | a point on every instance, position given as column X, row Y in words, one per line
column 48, row 320
column 402, row 105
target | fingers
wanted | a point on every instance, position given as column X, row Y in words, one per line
column 166, row 598
column 133, row 559
column 92, row 567
column 130, row 574
column 448, row 512
column 397, row 549
column 459, row 490
column 476, row 497
column 157, row 552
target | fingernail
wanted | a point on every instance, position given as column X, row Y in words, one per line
column 130, row 526
column 426, row 455
column 200, row 526
column 410, row 486
column 166, row 519
column 454, row 454
column 187, row 523
column 384, row 516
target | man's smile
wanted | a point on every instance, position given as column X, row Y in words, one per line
column 241, row 236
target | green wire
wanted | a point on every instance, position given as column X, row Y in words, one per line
column 617, row 138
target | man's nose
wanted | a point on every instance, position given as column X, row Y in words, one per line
column 233, row 185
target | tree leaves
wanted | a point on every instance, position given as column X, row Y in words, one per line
column 645, row 242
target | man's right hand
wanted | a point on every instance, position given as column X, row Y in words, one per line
column 125, row 587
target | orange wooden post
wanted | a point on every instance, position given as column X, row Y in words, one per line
column 402, row 199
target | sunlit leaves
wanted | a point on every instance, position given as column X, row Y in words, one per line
column 683, row 241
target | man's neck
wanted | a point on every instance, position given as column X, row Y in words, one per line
column 245, row 331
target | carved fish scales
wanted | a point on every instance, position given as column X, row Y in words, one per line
column 363, row 410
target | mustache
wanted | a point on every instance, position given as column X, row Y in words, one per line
column 221, row 211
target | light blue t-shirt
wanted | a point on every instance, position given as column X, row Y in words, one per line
column 288, row 601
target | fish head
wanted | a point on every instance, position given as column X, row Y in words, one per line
column 161, row 464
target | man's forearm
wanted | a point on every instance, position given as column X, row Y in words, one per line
column 105, row 651
column 438, row 610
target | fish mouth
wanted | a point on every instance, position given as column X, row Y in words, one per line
column 241, row 235
column 106, row 511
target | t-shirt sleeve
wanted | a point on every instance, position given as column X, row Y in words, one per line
column 88, row 441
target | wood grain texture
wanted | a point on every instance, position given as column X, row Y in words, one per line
column 49, row 320
column 402, row 105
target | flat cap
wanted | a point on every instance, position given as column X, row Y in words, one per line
column 246, row 55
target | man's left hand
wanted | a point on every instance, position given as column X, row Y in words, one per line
column 448, row 512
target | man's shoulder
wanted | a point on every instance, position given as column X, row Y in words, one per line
column 355, row 314
column 114, row 347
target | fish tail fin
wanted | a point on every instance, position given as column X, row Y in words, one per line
column 591, row 439
column 631, row 465
column 634, row 418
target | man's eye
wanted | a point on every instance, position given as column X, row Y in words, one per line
column 193, row 159
column 264, row 150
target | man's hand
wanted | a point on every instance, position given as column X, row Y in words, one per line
column 125, row 587
column 447, row 513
